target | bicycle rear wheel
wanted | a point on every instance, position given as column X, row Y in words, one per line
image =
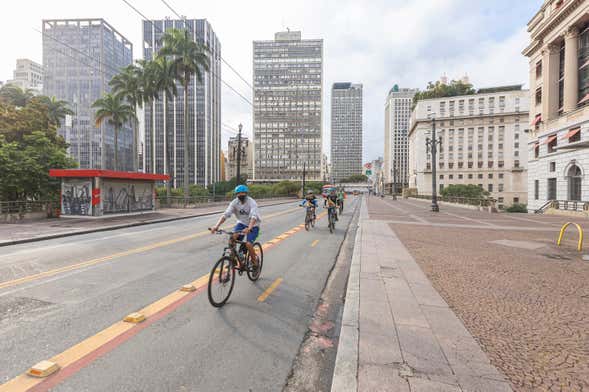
column 253, row 276
column 221, row 282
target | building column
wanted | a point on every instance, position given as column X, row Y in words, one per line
column 571, row 69
column 550, row 65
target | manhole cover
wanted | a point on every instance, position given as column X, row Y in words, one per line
column 557, row 257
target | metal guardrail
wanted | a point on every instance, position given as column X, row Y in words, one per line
column 569, row 205
column 28, row 206
column 461, row 200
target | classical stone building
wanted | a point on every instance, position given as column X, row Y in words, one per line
column 483, row 143
column 246, row 159
column 558, row 144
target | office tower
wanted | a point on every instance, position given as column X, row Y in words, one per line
column 28, row 75
column 204, row 112
column 346, row 130
column 288, row 75
column 80, row 57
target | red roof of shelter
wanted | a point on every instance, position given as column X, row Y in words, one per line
column 73, row 173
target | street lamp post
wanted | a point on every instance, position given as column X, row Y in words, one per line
column 432, row 144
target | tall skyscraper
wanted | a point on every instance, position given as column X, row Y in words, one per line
column 28, row 75
column 204, row 113
column 346, row 130
column 80, row 57
column 396, row 128
column 288, row 80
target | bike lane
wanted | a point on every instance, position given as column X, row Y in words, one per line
column 247, row 345
column 43, row 319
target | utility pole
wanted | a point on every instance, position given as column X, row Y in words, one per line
column 433, row 143
column 238, row 180
column 394, row 187
column 304, row 174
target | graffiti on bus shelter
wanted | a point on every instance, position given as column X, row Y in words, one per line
column 76, row 197
column 124, row 197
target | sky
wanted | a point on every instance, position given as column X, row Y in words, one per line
column 378, row 43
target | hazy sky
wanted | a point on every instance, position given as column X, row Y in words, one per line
column 375, row 42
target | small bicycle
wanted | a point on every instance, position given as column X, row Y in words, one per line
column 235, row 258
column 310, row 217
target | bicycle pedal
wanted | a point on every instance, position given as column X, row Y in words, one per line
column 240, row 272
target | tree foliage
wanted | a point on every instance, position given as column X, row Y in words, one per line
column 466, row 191
column 441, row 90
column 16, row 96
column 29, row 147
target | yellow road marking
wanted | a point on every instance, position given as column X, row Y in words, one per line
column 269, row 290
column 314, row 243
column 46, row 274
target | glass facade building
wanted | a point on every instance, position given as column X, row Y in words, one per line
column 346, row 130
column 166, row 117
column 288, row 92
column 80, row 57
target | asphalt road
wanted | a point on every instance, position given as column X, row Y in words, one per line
column 56, row 294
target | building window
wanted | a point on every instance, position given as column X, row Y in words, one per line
column 451, row 176
column 490, row 187
column 538, row 96
column 576, row 137
column 470, row 176
column 515, row 200
column 551, row 189
column 536, row 189
column 539, row 69
column 460, row 176
column 584, row 64
column 500, row 188
column 516, row 164
column 480, row 176
column 552, row 166
column 490, row 176
column 536, row 150
column 575, row 178
column 441, row 176
column 552, row 142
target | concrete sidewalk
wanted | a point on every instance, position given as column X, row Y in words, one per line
column 398, row 333
column 18, row 233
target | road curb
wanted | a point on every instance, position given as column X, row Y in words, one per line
column 123, row 226
column 345, row 374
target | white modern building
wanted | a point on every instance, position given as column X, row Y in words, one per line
column 559, row 115
column 346, row 130
column 288, row 102
column 164, row 119
column 27, row 75
column 396, row 147
column 483, row 143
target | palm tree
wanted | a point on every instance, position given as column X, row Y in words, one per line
column 161, row 73
column 128, row 86
column 56, row 109
column 117, row 112
column 15, row 95
column 189, row 59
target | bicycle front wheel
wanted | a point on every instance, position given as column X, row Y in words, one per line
column 255, row 275
column 221, row 282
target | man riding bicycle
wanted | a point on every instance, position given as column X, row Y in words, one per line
column 311, row 201
column 246, row 211
column 332, row 203
column 340, row 199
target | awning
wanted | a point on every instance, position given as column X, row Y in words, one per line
column 550, row 139
column 585, row 99
column 536, row 145
column 571, row 133
column 537, row 119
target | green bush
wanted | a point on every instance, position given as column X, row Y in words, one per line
column 518, row 208
column 466, row 191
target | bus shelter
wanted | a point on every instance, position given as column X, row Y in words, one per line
column 92, row 192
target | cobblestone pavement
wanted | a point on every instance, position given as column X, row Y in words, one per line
column 525, row 300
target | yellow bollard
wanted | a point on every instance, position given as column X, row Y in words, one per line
column 563, row 230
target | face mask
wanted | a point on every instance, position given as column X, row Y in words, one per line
column 242, row 198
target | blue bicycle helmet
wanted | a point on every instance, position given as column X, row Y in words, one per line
column 241, row 189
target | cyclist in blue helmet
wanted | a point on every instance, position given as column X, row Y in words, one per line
column 248, row 217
